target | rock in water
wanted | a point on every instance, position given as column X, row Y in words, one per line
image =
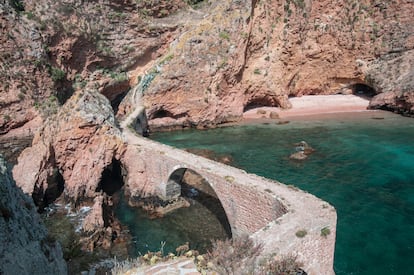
column 25, row 245
column 298, row 155
column 303, row 150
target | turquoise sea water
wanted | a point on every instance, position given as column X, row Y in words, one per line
column 195, row 225
column 362, row 166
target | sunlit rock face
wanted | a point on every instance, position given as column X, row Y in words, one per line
column 71, row 151
column 260, row 53
column 25, row 245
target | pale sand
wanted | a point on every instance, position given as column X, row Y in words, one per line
column 313, row 105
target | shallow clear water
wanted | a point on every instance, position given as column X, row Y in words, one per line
column 195, row 224
column 362, row 166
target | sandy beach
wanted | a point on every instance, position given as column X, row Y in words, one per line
column 312, row 105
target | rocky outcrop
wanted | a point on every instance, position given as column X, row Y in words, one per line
column 393, row 76
column 302, row 151
column 26, row 247
column 71, row 151
column 51, row 48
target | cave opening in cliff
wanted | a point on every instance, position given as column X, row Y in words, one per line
column 55, row 187
column 260, row 102
column 112, row 179
column 363, row 90
column 195, row 187
column 161, row 114
column 115, row 102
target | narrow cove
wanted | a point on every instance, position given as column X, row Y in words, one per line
column 363, row 165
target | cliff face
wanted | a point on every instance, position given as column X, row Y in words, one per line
column 49, row 49
column 25, row 245
column 201, row 65
column 261, row 52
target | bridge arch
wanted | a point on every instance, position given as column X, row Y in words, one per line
column 186, row 182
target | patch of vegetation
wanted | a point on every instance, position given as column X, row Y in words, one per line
column 240, row 256
column 167, row 58
column 299, row 3
column 48, row 107
column 301, row 233
column 236, row 256
column 7, row 118
column 119, row 77
column 325, row 231
column 30, row 15
column 287, row 265
column 194, row 3
column 148, row 78
column 17, row 5
column 256, row 71
column 79, row 82
column 57, row 74
column 224, row 35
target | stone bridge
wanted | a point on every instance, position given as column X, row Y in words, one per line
column 270, row 212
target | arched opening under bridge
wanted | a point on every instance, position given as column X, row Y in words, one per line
column 187, row 183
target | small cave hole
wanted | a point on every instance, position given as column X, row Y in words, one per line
column 112, row 179
column 117, row 101
column 161, row 113
column 259, row 102
column 363, row 90
column 55, row 187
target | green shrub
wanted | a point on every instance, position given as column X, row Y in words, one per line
column 57, row 74
column 301, row 233
column 224, row 35
column 325, row 231
column 17, row 5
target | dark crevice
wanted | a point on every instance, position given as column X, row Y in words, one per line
column 55, row 187
column 161, row 113
column 363, row 90
column 112, row 179
column 117, row 100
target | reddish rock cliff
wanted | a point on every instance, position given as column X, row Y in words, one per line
column 246, row 53
column 204, row 66
column 71, row 150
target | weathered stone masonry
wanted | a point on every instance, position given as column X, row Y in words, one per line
column 267, row 210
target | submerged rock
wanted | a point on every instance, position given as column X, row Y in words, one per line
column 303, row 150
column 26, row 247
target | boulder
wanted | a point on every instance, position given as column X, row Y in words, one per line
column 302, row 151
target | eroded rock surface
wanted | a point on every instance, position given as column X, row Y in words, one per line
column 72, row 149
column 258, row 53
column 25, row 245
